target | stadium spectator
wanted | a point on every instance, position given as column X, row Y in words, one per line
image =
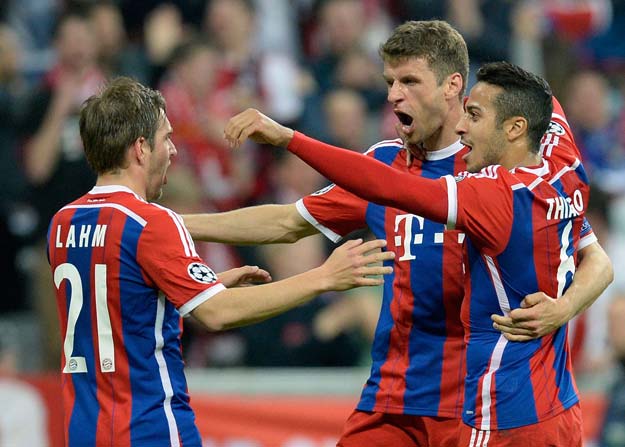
column 54, row 162
column 14, row 222
column 416, row 306
column 506, row 115
column 126, row 270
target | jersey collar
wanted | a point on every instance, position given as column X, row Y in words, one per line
column 445, row 152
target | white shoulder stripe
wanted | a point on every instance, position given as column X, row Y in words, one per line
column 452, row 202
column 564, row 170
column 134, row 216
column 560, row 117
column 535, row 183
column 396, row 142
column 185, row 237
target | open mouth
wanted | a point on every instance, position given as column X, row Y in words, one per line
column 404, row 118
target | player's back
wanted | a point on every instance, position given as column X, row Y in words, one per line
column 123, row 381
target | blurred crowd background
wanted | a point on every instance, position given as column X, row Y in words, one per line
column 309, row 64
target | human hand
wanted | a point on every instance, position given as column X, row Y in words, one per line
column 350, row 266
column 244, row 276
column 258, row 127
column 538, row 315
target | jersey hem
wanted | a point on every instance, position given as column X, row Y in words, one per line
column 517, row 423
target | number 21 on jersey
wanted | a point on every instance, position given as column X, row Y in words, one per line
column 78, row 364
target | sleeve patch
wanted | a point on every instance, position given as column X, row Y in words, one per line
column 555, row 128
column 201, row 273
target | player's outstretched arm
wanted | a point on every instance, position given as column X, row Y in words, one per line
column 244, row 276
column 258, row 127
column 363, row 176
column 541, row 314
column 349, row 266
column 263, row 224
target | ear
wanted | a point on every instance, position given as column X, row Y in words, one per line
column 515, row 127
column 453, row 85
column 139, row 149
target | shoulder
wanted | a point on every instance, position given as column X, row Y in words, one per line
column 385, row 146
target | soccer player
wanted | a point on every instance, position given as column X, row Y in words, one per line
column 523, row 216
column 413, row 396
column 126, row 270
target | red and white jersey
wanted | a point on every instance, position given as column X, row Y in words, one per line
column 125, row 271
column 418, row 350
column 523, row 228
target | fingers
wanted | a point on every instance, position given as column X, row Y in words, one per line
column 237, row 129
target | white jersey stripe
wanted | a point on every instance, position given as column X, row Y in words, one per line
column 564, row 171
column 479, row 438
column 486, row 438
column 174, row 438
column 504, row 303
column 189, row 249
column 560, row 117
column 495, row 362
column 199, row 299
column 140, row 220
column 301, row 208
column 396, row 142
column 473, row 436
column 452, row 202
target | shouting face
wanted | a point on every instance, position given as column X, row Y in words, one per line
column 479, row 128
column 418, row 100
column 159, row 159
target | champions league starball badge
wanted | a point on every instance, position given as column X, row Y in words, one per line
column 201, row 273
column 555, row 128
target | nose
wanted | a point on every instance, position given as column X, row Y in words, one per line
column 394, row 93
column 461, row 127
column 173, row 151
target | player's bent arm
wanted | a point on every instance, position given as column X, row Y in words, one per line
column 263, row 224
column 347, row 267
column 541, row 314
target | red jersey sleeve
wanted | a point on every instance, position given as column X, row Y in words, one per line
column 333, row 211
column 481, row 205
column 558, row 142
column 167, row 256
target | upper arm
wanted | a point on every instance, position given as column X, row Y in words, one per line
column 167, row 256
column 484, row 210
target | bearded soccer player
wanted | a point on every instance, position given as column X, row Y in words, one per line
column 413, row 396
column 523, row 216
column 126, row 270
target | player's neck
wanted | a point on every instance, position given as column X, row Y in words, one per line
column 446, row 135
column 520, row 156
column 123, row 178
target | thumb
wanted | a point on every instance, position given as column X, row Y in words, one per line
column 532, row 299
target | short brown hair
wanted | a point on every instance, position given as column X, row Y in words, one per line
column 112, row 120
column 436, row 41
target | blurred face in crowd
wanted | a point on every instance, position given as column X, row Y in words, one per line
column 230, row 22
column 75, row 44
column 342, row 24
column 159, row 159
column 417, row 99
column 478, row 128
column 197, row 73
column 108, row 26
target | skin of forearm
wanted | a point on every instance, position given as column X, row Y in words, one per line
column 43, row 151
column 593, row 275
column 264, row 224
column 247, row 305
